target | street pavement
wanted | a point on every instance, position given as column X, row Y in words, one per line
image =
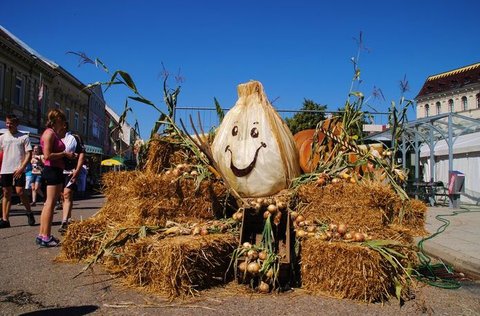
column 458, row 240
column 32, row 283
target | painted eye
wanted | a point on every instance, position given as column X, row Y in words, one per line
column 254, row 132
column 235, row 131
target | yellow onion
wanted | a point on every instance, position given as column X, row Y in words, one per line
column 203, row 231
column 252, row 254
column 333, row 227
column 348, row 236
column 342, row 228
column 359, row 237
column 262, row 255
column 300, row 218
column 269, row 273
column 253, row 268
column 336, row 180
column 266, row 214
column 282, row 205
column 272, row 208
column 263, row 287
column 293, row 215
column 301, row 233
column 196, row 230
column 242, row 266
column 311, row 229
column 247, row 245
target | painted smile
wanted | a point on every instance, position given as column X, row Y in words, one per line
column 245, row 171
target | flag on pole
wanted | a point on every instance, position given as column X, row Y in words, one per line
column 40, row 102
column 40, row 93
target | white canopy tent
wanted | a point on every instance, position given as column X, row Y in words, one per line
column 439, row 145
column 466, row 159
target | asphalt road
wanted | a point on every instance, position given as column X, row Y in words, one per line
column 31, row 283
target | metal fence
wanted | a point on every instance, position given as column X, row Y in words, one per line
column 209, row 119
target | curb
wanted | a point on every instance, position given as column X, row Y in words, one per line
column 460, row 262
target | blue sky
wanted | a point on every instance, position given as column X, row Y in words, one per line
column 297, row 49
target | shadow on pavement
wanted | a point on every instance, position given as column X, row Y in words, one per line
column 73, row 311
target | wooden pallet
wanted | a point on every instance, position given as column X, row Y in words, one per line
column 251, row 231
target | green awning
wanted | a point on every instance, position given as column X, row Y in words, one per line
column 89, row 149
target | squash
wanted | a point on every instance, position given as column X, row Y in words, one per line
column 304, row 142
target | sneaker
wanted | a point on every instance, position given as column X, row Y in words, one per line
column 38, row 240
column 4, row 224
column 31, row 218
column 63, row 229
column 51, row 242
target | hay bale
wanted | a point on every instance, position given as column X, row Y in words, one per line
column 175, row 266
column 165, row 152
column 363, row 207
column 346, row 270
column 411, row 214
column 78, row 244
column 137, row 198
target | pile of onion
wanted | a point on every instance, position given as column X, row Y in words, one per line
column 334, row 232
column 254, row 265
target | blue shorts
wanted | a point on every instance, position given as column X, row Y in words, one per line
column 31, row 179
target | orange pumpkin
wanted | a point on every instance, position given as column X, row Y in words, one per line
column 304, row 142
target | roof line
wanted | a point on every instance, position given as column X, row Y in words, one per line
column 453, row 72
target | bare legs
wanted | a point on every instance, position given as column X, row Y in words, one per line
column 53, row 191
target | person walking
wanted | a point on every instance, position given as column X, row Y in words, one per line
column 37, row 166
column 17, row 152
column 54, row 154
column 73, row 168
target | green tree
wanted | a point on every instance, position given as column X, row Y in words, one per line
column 310, row 114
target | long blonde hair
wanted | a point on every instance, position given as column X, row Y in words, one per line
column 53, row 116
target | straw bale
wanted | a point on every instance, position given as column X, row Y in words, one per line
column 139, row 198
column 412, row 216
column 165, row 152
column 362, row 206
column 78, row 244
column 177, row 266
column 346, row 270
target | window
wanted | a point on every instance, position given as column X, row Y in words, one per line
column 67, row 115
column 18, row 92
column 464, row 103
column 95, row 130
column 478, row 100
column 439, row 107
column 84, row 126
column 450, row 105
column 75, row 121
column 427, row 110
column 2, row 81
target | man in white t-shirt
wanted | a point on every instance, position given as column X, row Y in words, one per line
column 17, row 152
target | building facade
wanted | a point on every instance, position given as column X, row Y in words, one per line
column 455, row 91
column 70, row 95
column 120, row 139
column 21, row 72
column 96, row 119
